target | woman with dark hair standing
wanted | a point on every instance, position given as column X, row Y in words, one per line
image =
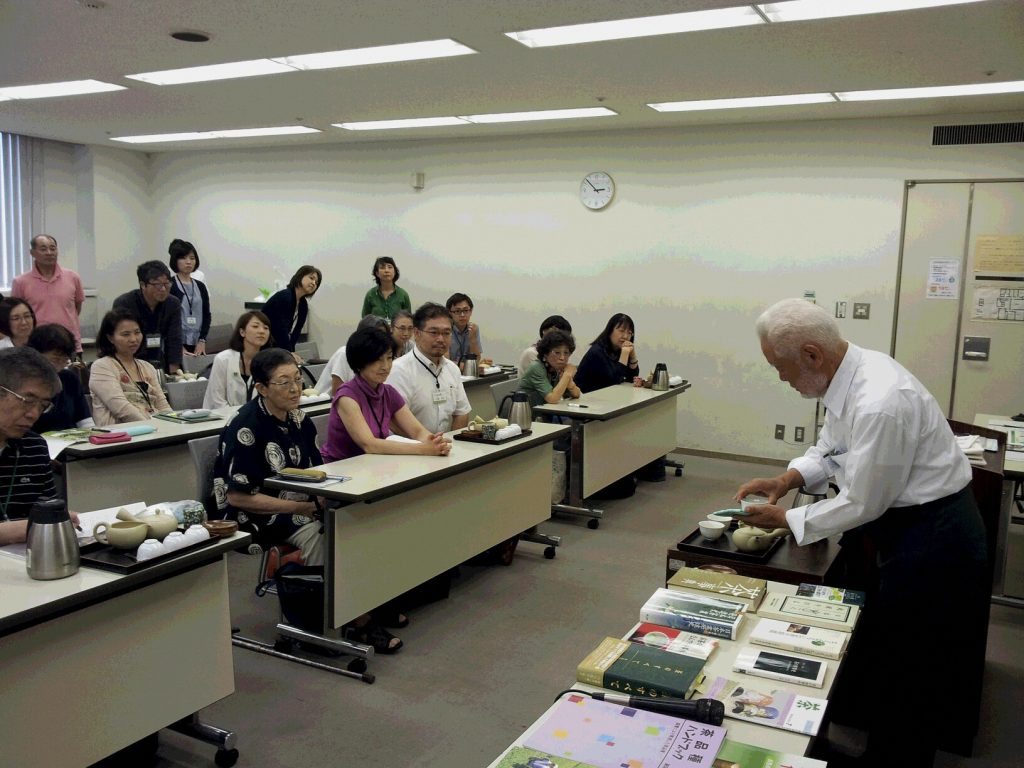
column 287, row 309
column 192, row 293
column 70, row 409
column 17, row 321
column 386, row 298
column 611, row 358
column 231, row 382
column 123, row 387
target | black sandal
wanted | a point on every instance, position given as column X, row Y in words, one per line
column 391, row 618
column 374, row 635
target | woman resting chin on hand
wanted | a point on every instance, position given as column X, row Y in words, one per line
column 551, row 376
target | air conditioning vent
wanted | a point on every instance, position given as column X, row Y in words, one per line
column 983, row 133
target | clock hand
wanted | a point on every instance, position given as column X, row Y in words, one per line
column 592, row 185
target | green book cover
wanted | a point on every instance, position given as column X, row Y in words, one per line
column 524, row 757
column 736, row 754
column 638, row 670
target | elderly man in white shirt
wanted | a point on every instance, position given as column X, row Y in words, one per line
column 431, row 383
column 905, row 508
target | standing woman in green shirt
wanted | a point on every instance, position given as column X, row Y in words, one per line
column 386, row 298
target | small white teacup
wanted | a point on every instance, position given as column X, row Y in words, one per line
column 752, row 500
column 711, row 530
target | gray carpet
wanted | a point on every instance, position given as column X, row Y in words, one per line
column 478, row 668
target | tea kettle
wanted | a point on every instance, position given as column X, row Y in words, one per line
column 520, row 411
column 659, row 382
column 804, row 497
column 469, row 365
column 51, row 551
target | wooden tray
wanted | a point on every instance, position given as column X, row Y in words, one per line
column 724, row 548
column 476, row 437
column 107, row 558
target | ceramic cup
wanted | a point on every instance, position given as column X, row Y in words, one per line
column 174, row 541
column 722, row 516
column 120, row 535
column 149, row 549
column 195, row 533
column 752, row 500
column 710, row 529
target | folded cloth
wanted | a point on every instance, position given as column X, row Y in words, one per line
column 675, row 381
column 972, row 445
column 400, row 439
column 488, row 370
column 506, row 432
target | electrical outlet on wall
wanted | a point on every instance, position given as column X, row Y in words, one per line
column 861, row 311
column 841, row 308
column 780, row 431
column 798, row 434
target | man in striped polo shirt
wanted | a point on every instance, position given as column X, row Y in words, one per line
column 28, row 384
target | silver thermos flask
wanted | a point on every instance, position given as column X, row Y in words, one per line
column 469, row 365
column 51, row 550
column 660, row 380
column 520, row 412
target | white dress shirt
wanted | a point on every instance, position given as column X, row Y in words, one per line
column 434, row 393
column 226, row 386
column 886, row 442
column 337, row 365
column 527, row 359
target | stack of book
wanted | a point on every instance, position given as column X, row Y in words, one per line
column 705, row 615
column 730, row 586
column 639, row 670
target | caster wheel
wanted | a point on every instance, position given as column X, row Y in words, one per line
column 357, row 665
column 679, row 471
column 226, row 757
column 593, row 523
column 549, row 553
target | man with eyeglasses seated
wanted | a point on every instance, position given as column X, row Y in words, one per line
column 159, row 316
column 28, row 384
column 431, row 384
column 465, row 335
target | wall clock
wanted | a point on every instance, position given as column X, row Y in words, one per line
column 597, row 190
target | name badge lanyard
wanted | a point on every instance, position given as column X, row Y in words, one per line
column 380, row 426
column 142, row 386
column 463, row 343
column 10, row 485
column 437, row 376
column 188, row 298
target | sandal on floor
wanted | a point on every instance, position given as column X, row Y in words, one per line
column 390, row 618
column 373, row 634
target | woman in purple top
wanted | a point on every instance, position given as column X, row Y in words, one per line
column 366, row 410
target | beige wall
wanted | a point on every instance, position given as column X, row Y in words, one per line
column 709, row 226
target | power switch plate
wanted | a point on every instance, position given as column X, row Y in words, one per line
column 840, row 309
column 780, row 431
column 798, row 434
column 861, row 311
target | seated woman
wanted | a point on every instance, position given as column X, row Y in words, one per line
column 123, row 387
column 553, row 323
column 366, row 409
column 230, row 381
column 268, row 434
column 16, row 322
column 550, row 377
column 337, row 372
column 70, row 408
column 402, row 327
column 611, row 358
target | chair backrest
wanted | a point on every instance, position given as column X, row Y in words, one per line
column 185, row 394
column 219, row 337
column 500, row 390
column 307, row 350
column 315, row 370
column 203, row 451
column 197, row 363
column 320, row 422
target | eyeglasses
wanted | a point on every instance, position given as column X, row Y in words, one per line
column 464, row 311
column 403, row 328
column 435, row 332
column 160, row 285
column 31, row 403
column 287, row 383
column 26, row 318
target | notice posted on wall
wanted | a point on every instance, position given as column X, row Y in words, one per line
column 1005, row 304
column 999, row 255
column 943, row 279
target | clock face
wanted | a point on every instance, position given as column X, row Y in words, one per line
column 597, row 190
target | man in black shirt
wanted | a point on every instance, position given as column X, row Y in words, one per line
column 28, row 384
column 159, row 316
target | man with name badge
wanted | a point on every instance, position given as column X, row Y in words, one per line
column 430, row 383
column 909, row 522
column 159, row 316
column 54, row 293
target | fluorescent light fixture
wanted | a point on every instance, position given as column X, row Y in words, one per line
column 381, row 54
column 51, row 90
column 545, row 114
column 645, row 26
column 412, row 122
column 802, row 10
column 235, row 133
column 933, row 92
column 210, row 72
column 751, row 101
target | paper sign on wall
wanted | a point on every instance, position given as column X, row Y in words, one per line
column 998, row 304
column 943, row 279
column 999, row 254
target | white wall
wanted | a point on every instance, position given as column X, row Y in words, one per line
column 709, row 226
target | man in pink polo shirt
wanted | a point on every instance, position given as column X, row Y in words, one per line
column 55, row 294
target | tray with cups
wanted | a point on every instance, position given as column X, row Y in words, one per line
column 128, row 546
column 723, row 547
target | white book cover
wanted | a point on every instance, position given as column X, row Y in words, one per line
column 814, row 641
column 778, row 665
column 806, row 610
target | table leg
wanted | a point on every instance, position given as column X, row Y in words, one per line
column 575, row 506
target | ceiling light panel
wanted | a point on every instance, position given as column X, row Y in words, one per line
column 934, row 92
column 751, row 101
column 803, row 10
column 210, row 72
column 646, row 26
column 381, row 54
column 546, row 114
column 234, row 133
column 53, row 90
column 412, row 122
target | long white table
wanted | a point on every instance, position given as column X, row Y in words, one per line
column 720, row 665
column 615, row 431
column 154, row 466
column 406, row 519
column 97, row 661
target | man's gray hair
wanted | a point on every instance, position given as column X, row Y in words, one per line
column 22, row 364
column 790, row 323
